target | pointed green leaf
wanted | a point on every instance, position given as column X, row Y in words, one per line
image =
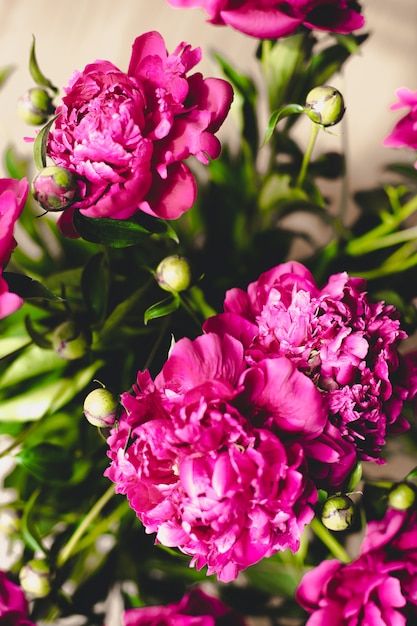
column 28, row 288
column 120, row 233
column 30, row 533
column 278, row 115
column 39, row 145
column 36, row 73
column 162, row 308
column 5, row 73
column 11, row 345
column 412, row 475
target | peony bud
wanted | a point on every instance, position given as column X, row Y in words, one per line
column 337, row 513
column 101, row 408
column 402, row 496
column 35, row 578
column 35, row 106
column 324, row 105
column 54, row 188
column 70, row 341
column 174, row 273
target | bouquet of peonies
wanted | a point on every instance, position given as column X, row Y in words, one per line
column 192, row 412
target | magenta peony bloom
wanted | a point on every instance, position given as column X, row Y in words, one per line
column 386, row 570
column 269, row 19
column 346, row 344
column 13, row 194
column 14, row 608
column 195, row 469
column 126, row 136
column 404, row 134
column 196, row 608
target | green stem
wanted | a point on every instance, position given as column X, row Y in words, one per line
column 70, row 546
column 329, row 541
column 18, row 439
column 307, row 154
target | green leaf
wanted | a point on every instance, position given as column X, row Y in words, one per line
column 15, row 166
column 46, row 397
column 120, row 233
column 11, row 345
column 5, row 73
column 95, row 286
column 28, row 288
column 278, row 115
column 246, row 92
column 39, row 145
column 36, row 73
column 48, row 462
column 162, row 308
column 30, row 533
column 32, row 362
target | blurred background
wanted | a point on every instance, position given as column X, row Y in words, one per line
column 71, row 33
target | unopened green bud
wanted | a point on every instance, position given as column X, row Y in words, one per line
column 101, row 408
column 70, row 341
column 54, row 188
column 35, row 106
column 324, row 105
column 174, row 273
column 402, row 496
column 35, row 578
column 337, row 513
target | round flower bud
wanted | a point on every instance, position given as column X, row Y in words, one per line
column 337, row 513
column 35, row 106
column 324, row 105
column 174, row 273
column 101, row 408
column 54, row 188
column 70, row 341
column 402, row 496
column 35, row 578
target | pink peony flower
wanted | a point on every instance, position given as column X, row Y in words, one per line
column 126, row 136
column 268, row 19
column 195, row 469
column 346, row 344
column 386, row 569
column 404, row 134
column 196, row 608
column 13, row 194
column 14, row 608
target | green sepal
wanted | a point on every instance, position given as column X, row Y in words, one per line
column 39, row 145
column 29, row 288
column 162, row 308
column 121, row 233
column 38, row 338
column 36, row 73
column 48, row 462
column 278, row 115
